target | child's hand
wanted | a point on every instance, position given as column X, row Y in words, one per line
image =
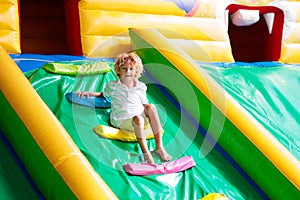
column 87, row 94
column 82, row 94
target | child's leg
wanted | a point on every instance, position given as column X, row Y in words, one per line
column 151, row 113
column 138, row 123
column 160, row 150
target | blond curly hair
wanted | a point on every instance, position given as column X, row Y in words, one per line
column 129, row 59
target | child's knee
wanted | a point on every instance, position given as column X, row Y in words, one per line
column 138, row 121
column 150, row 108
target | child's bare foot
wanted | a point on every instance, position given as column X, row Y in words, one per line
column 148, row 158
column 163, row 154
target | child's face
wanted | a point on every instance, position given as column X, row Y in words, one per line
column 128, row 72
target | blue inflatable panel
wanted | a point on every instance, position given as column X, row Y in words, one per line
column 97, row 102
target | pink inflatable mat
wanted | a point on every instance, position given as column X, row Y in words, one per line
column 175, row 166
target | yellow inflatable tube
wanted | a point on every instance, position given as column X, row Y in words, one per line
column 160, row 7
column 49, row 134
column 282, row 159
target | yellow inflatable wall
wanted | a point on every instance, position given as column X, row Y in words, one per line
column 104, row 27
column 290, row 52
column 9, row 26
column 201, row 32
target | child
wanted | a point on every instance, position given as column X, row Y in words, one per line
column 130, row 108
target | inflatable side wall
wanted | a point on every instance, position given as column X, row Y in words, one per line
column 242, row 136
column 49, row 154
column 100, row 28
column 9, row 26
column 104, row 27
column 291, row 41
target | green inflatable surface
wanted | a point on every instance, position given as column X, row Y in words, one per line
column 269, row 94
column 212, row 173
column 13, row 182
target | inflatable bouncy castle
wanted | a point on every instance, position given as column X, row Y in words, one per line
column 223, row 75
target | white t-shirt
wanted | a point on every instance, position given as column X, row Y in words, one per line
column 126, row 103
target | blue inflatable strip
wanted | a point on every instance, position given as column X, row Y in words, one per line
column 205, row 134
column 97, row 102
column 21, row 166
column 27, row 62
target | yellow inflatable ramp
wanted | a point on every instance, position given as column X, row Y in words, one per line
column 50, row 156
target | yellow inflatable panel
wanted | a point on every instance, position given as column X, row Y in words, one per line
column 206, row 9
column 109, row 23
column 104, row 28
column 105, row 46
column 294, row 36
column 290, row 53
column 198, row 50
column 9, row 26
column 291, row 41
column 117, row 134
column 214, row 196
column 146, row 6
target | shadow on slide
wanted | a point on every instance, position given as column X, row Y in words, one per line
column 15, row 182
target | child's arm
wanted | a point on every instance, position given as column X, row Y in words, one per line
column 87, row 94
